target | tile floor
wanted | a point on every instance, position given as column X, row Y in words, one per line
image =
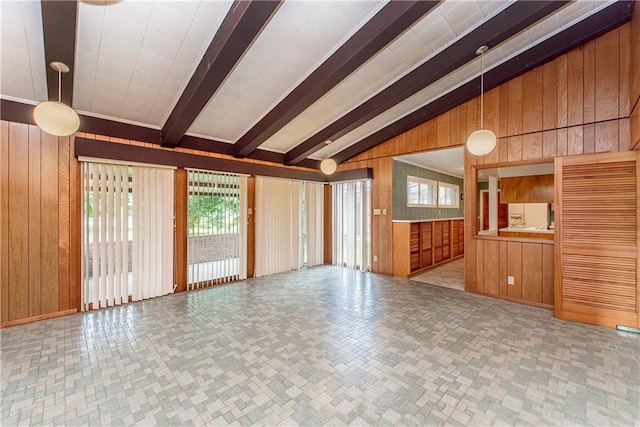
column 449, row 275
column 324, row 346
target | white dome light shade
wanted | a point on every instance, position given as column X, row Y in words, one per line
column 56, row 118
column 328, row 166
column 481, row 142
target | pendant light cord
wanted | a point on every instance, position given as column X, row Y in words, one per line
column 482, row 90
column 59, row 85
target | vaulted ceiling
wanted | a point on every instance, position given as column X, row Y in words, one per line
column 278, row 80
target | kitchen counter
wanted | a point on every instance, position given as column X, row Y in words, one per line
column 527, row 230
column 526, row 233
column 411, row 221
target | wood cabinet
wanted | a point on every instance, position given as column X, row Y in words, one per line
column 418, row 246
column 527, row 189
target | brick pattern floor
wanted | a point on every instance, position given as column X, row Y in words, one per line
column 449, row 275
column 320, row 346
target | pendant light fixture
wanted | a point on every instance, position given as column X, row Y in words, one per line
column 482, row 141
column 56, row 117
column 328, row 166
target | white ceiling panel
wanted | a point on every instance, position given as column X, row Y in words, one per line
column 425, row 39
column 299, row 37
column 22, row 67
column 447, row 160
column 134, row 58
column 494, row 57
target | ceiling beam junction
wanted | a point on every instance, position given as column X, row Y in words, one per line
column 577, row 35
column 241, row 26
column 59, row 22
column 507, row 23
column 391, row 21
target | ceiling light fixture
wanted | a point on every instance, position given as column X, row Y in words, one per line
column 328, row 166
column 56, row 117
column 482, row 141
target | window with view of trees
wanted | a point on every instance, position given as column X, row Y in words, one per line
column 213, row 227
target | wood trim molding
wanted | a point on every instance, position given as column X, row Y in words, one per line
column 123, row 152
column 38, row 318
column 18, row 112
column 514, row 300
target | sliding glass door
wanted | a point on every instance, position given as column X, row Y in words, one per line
column 352, row 224
column 216, row 228
column 127, row 233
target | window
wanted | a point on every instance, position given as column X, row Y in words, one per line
column 127, row 233
column 352, row 225
column 448, row 195
column 421, row 192
column 216, row 231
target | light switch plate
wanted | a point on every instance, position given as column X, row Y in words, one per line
column 511, row 280
column 376, row 211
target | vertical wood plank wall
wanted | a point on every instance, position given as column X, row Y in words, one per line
column 39, row 223
column 634, row 100
column 40, row 187
column 578, row 103
column 180, row 230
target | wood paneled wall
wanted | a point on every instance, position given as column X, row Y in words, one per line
column 548, row 112
column 381, row 198
column 181, row 214
column 529, row 263
column 39, row 223
column 576, row 104
column 328, row 232
column 635, row 79
column 40, row 220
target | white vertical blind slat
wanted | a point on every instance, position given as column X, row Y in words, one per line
column 243, row 223
column 315, row 215
column 117, row 241
column 106, row 277
column 109, row 214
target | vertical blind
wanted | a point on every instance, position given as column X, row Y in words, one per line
column 288, row 225
column 274, row 224
column 352, row 224
column 127, row 247
column 314, row 212
column 217, row 228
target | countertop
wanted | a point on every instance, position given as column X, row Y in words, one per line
column 425, row 220
column 527, row 230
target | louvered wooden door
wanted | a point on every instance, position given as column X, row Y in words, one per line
column 596, row 244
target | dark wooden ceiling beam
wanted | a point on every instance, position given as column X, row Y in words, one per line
column 571, row 38
column 59, row 22
column 496, row 30
column 243, row 23
column 132, row 153
column 18, row 112
column 391, row 21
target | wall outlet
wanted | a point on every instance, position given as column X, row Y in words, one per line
column 375, row 258
column 511, row 280
column 384, row 211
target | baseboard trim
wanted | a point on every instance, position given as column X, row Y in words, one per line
column 37, row 318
